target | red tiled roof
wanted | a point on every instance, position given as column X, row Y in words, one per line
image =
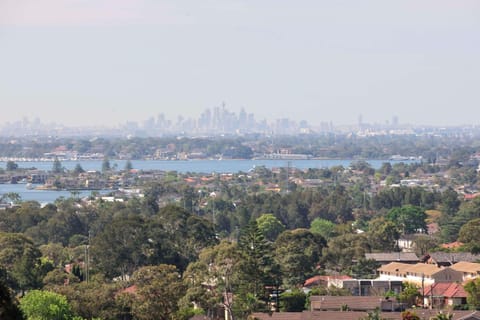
column 447, row 290
column 452, row 245
column 455, row 291
column 470, row 196
column 131, row 289
column 317, row 279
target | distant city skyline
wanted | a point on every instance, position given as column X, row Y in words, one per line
column 197, row 118
column 219, row 121
column 88, row 62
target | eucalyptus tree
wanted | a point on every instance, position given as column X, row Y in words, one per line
column 121, row 247
column 20, row 261
column 158, row 290
column 298, row 253
column 213, row 280
column 270, row 226
column 410, row 219
column 45, row 305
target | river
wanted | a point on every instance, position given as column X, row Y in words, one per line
column 42, row 196
column 194, row 166
column 200, row 166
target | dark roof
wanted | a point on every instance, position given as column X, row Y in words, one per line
column 354, row 303
column 392, row 256
column 453, row 257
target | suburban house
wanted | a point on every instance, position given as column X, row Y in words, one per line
column 420, row 273
column 469, row 270
column 387, row 257
column 441, row 295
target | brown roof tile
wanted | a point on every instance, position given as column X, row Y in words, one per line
column 402, row 268
column 464, row 266
column 354, row 303
column 356, row 315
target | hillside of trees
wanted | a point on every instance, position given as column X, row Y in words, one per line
column 230, row 241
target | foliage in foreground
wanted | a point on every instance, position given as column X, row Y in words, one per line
column 45, row 305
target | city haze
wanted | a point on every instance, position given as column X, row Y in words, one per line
column 84, row 63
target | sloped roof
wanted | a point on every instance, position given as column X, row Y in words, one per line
column 404, row 268
column 394, row 267
column 306, row 315
column 355, row 315
column 455, row 291
column 453, row 257
column 317, row 279
column 446, row 289
column 131, row 289
column 472, row 316
column 452, row 245
column 422, row 268
column 464, row 266
column 392, row 256
column 354, row 303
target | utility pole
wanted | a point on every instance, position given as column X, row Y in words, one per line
column 87, row 259
column 423, row 290
column 85, row 264
column 288, row 176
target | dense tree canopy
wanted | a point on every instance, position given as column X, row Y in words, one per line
column 20, row 260
column 470, row 235
column 158, row 288
column 8, row 307
column 410, row 219
column 270, row 226
column 209, row 238
column 298, row 253
column 45, row 305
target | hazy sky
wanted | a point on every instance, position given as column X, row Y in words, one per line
column 84, row 62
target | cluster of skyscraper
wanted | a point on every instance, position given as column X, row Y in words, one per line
column 212, row 121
